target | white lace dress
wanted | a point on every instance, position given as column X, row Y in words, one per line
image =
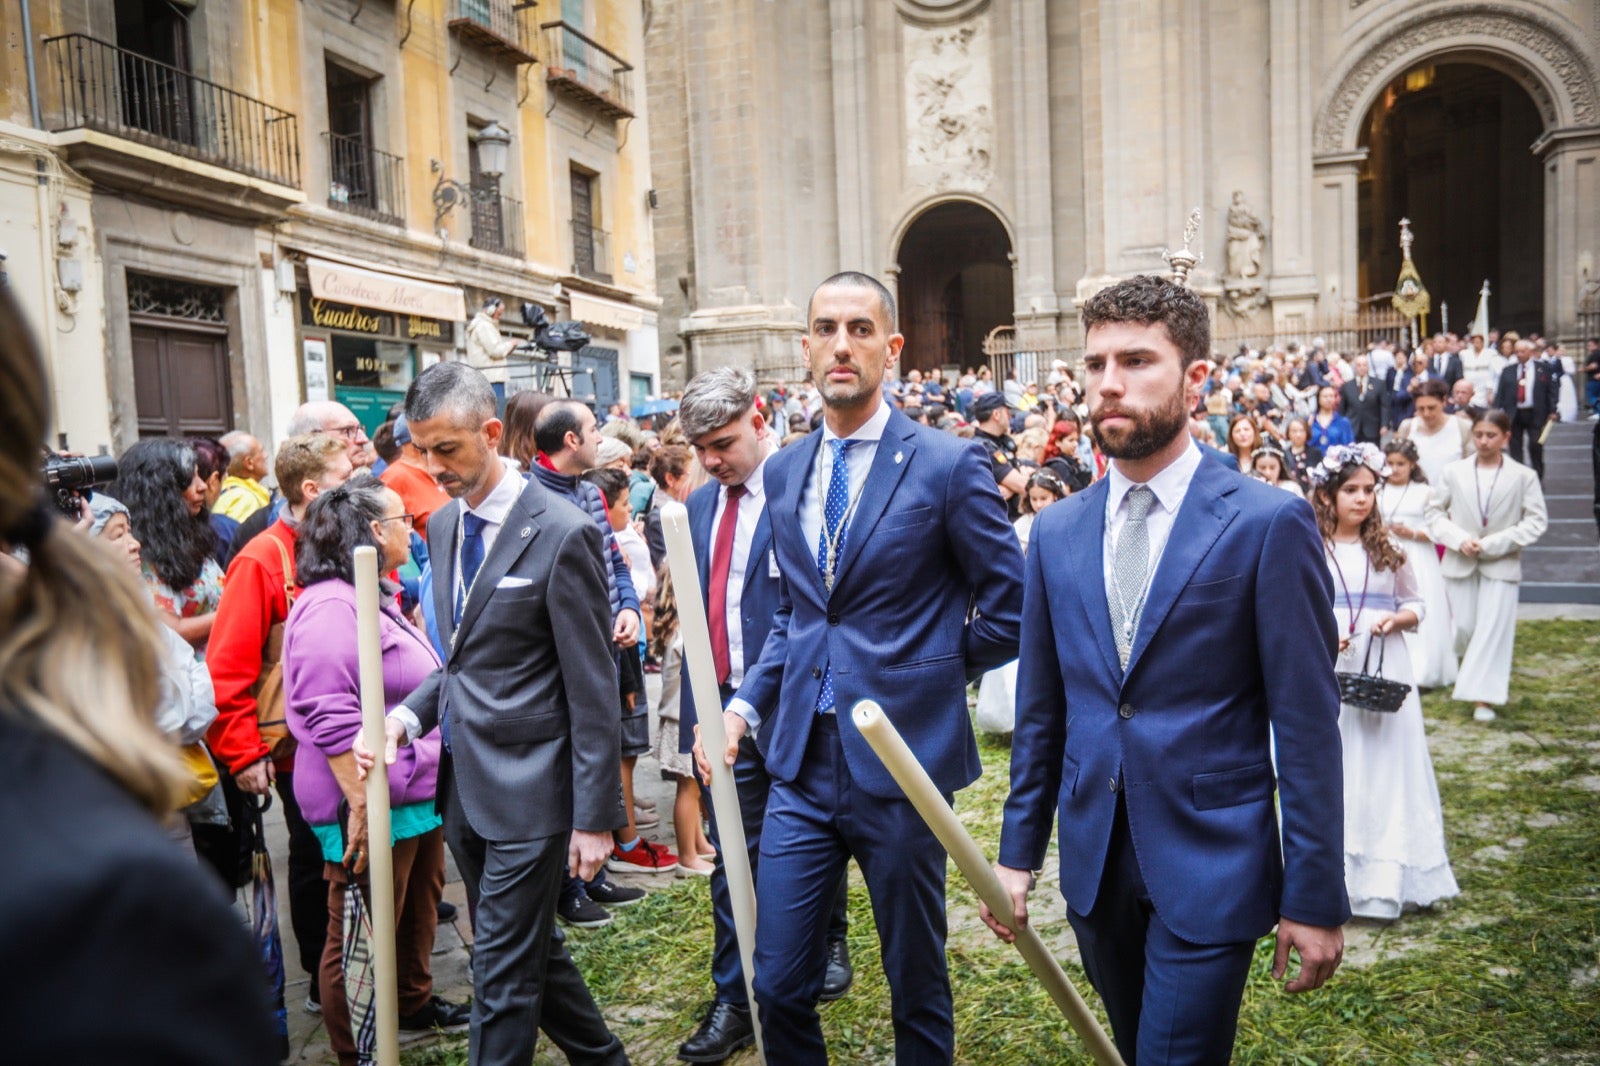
column 1432, row 645
column 1394, row 851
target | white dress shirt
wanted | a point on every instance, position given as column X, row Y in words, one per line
column 1170, row 486
column 744, row 531
column 858, row 457
column 493, row 510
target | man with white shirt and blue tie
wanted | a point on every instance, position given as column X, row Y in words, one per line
column 526, row 702
column 1210, row 614
column 848, row 506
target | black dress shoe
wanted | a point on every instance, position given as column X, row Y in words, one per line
column 840, row 976
column 447, row 911
column 438, row 1013
column 726, row 1029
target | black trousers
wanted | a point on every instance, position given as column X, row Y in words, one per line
column 523, row 976
column 308, row 891
column 1524, row 426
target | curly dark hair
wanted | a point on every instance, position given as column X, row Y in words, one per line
column 152, row 477
column 1147, row 299
column 338, row 522
column 664, row 623
column 1381, row 548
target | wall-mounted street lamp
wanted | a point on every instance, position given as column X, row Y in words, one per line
column 494, row 144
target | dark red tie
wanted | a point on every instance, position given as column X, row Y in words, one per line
column 721, row 563
column 1522, row 385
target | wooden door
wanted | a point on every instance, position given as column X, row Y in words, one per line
column 181, row 382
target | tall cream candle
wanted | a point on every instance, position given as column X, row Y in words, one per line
column 380, row 856
column 919, row 789
column 702, row 671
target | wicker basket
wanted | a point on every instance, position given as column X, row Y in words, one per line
column 1372, row 691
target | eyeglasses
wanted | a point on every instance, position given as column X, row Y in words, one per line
column 352, row 432
column 397, row 518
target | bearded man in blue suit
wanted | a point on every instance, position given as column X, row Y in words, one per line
column 851, row 507
column 1210, row 610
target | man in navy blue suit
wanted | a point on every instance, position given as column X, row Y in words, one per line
column 739, row 579
column 849, row 505
column 1211, row 615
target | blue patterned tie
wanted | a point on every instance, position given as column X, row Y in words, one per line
column 834, row 508
column 471, row 561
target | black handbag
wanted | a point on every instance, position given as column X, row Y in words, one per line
column 1372, row 692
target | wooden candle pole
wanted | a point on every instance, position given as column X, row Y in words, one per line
column 700, row 668
column 919, row 789
column 380, row 856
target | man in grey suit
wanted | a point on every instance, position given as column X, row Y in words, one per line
column 527, row 704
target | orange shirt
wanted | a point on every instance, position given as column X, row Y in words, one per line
column 417, row 490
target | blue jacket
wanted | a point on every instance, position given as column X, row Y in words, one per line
column 586, row 497
column 928, row 548
column 1237, row 636
column 758, row 600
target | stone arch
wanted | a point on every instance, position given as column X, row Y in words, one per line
column 1537, row 51
column 955, row 280
column 897, row 236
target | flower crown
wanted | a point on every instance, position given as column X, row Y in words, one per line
column 1343, row 457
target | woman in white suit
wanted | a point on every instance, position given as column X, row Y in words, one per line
column 1485, row 510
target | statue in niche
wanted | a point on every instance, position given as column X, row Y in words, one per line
column 1241, row 285
column 1244, row 239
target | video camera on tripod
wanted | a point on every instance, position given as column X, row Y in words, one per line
column 548, row 339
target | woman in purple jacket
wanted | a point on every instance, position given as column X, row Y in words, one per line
column 322, row 680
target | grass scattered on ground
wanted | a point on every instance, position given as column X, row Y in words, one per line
column 1507, row 973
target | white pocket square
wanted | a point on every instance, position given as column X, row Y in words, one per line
column 514, row 583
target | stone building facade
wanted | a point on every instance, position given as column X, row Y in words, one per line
column 997, row 161
column 213, row 210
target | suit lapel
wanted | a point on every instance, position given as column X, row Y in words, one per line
column 896, row 451
column 1088, row 531
column 442, row 528
column 784, row 510
column 1203, row 515
column 516, row 533
column 755, row 564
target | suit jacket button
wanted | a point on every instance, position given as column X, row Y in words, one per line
column 1126, row 710
column 1113, row 784
column 455, row 668
column 833, row 619
column 816, row 671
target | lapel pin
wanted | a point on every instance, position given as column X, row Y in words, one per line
column 898, row 456
column 526, row 532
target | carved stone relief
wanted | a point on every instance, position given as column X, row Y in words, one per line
column 1422, row 36
column 949, row 106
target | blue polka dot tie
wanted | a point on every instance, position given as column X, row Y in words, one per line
column 835, row 506
column 470, row 562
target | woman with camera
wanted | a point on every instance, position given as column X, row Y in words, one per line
column 122, row 949
column 322, row 679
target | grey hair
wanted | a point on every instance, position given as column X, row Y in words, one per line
column 238, row 444
column 453, row 387
column 715, row 398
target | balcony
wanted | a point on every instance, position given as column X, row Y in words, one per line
column 496, row 220
column 586, row 72
column 495, row 26
column 365, row 181
column 591, row 252
column 114, row 97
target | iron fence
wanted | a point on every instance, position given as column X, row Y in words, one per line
column 364, row 180
column 496, row 221
column 591, row 251
column 582, row 67
column 101, row 87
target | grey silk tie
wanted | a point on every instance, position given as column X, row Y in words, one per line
column 1129, row 569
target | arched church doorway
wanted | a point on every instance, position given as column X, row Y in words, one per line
column 1449, row 148
column 955, row 285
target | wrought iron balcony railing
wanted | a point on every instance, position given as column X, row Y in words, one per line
column 101, row 87
column 496, row 220
column 365, row 181
column 591, row 252
column 584, row 70
column 495, row 26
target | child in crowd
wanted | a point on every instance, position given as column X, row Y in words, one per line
column 666, row 645
column 1485, row 510
column 1268, row 464
column 633, row 853
column 1403, row 502
column 1393, row 829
